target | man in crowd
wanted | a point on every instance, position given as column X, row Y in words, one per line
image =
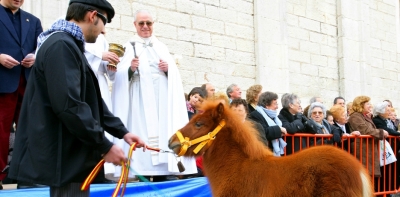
column 316, row 99
column 209, row 89
column 19, row 31
column 233, row 91
column 339, row 101
column 62, row 138
column 147, row 95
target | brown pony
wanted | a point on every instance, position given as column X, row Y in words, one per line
column 238, row 164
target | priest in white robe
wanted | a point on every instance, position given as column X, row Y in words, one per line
column 98, row 56
column 148, row 97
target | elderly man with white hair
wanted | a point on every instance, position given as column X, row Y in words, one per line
column 147, row 96
column 381, row 118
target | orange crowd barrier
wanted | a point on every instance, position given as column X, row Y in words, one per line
column 365, row 148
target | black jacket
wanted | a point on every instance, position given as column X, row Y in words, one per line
column 380, row 123
column 261, row 130
column 271, row 132
column 63, row 117
column 346, row 143
column 294, row 124
column 251, row 108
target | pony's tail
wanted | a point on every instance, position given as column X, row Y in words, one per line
column 367, row 190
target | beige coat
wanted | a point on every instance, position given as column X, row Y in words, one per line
column 358, row 122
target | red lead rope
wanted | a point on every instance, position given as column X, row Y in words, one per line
column 124, row 173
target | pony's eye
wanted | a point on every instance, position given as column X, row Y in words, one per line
column 198, row 124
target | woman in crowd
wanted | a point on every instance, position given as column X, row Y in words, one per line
column 329, row 117
column 381, row 119
column 360, row 120
column 349, row 107
column 265, row 113
column 239, row 106
column 252, row 95
column 394, row 119
column 294, row 122
column 340, row 122
column 194, row 101
column 382, row 112
column 317, row 113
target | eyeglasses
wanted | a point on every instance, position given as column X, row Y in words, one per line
column 101, row 16
column 148, row 23
column 317, row 112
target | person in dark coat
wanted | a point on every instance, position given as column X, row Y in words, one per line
column 266, row 114
column 64, row 117
column 317, row 113
column 339, row 114
column 240, row 107
column 19, row 31
column 382, row 112
column 294, row 122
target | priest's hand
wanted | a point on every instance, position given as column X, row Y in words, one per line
column 135, row 64
column 115, row 155
column 110, row 57
column 28, row 61
column 130, row 138
column 163, row 65
column 8, row 61
column 111, row 68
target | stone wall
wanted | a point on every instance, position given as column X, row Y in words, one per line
column 215, row 39
column 321, row 48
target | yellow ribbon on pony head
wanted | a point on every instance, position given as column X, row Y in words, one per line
column 203, row 140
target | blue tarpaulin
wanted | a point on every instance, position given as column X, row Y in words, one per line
column 196, row 187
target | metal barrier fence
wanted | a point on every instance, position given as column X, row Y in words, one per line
column 365, row 148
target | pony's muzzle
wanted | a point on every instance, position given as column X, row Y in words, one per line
column 174, row 144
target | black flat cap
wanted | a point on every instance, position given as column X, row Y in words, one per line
column 101, row 4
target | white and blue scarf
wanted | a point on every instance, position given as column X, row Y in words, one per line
column 61, row 25
column 270, row 116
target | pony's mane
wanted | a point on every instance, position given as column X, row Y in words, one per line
column 243, row 133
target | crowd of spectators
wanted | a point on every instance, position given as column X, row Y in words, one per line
column 355, row 118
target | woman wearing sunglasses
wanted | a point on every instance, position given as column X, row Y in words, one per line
column 317, row 113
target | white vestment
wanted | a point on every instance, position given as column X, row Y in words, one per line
column 151, row 105
column 94, row 53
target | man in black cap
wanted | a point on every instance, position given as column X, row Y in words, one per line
column 62, row 138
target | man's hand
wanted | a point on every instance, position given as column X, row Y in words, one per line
column 28, row 61
column 110, row 57
column 8, row 61
column 130, row 138
column 115, row 155
column 134, row 64
column 163, row 66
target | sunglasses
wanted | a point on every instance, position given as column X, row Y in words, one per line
column 101, row 16
column 317, row 112
column 148, row 23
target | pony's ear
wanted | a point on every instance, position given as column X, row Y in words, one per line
column 218, row 111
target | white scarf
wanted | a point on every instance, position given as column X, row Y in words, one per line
column 278, row 145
